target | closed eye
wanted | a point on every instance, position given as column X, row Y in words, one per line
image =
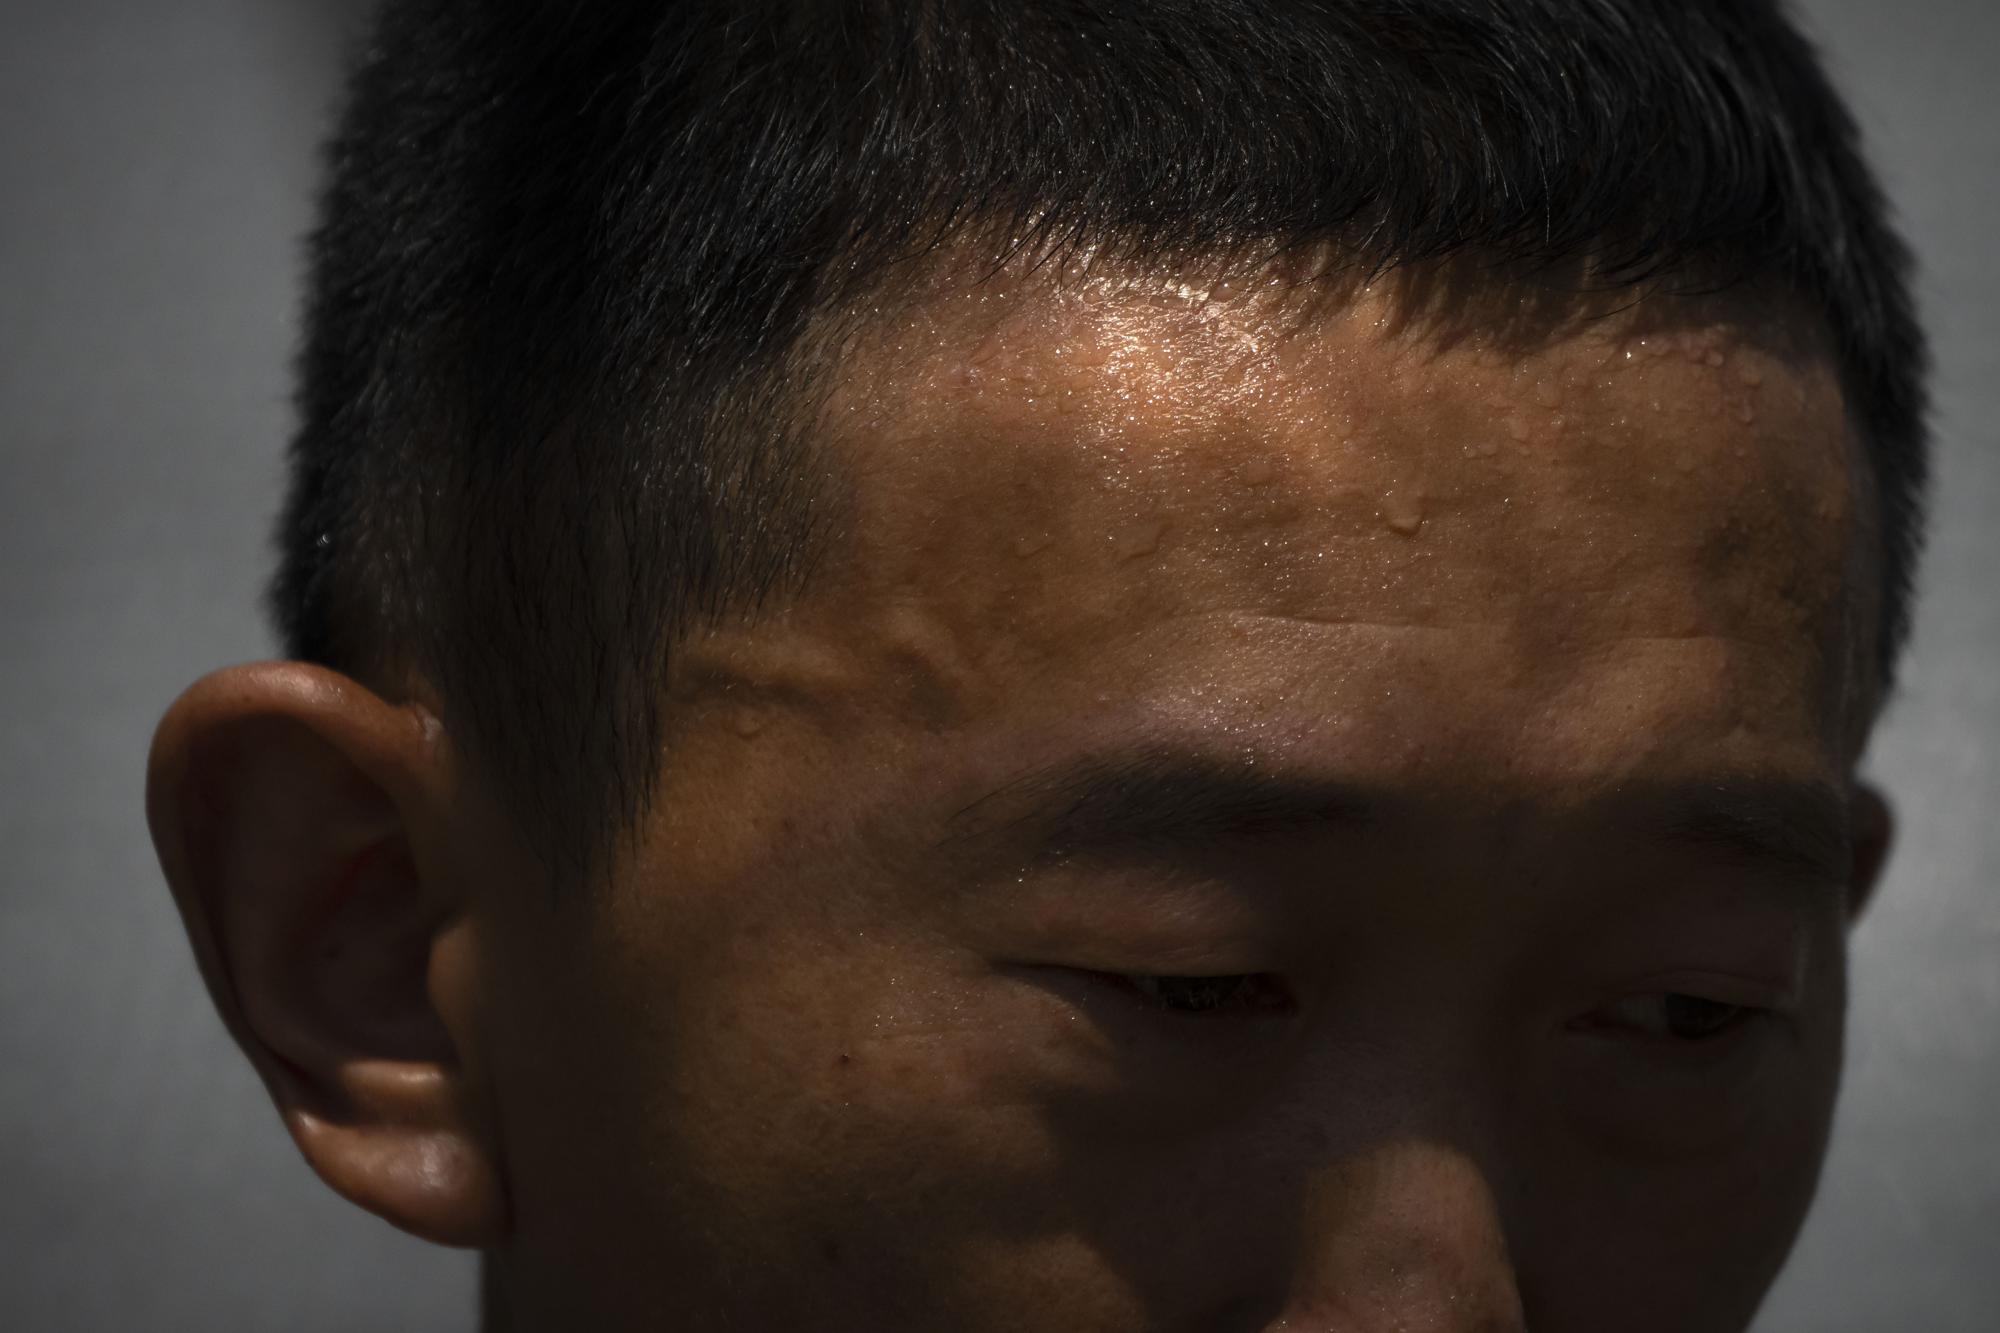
column 1672, row 1016
column 1238, row 993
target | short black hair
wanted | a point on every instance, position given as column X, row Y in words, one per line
column 568, row 254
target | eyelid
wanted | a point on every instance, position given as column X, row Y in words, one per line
column 1634, row 1012
column 1777, row 996
column 1762, row 998
column 1259, row 994
column 1759, row 1003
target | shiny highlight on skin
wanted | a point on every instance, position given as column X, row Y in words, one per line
column 1510, row 583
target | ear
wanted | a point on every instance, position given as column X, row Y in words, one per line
column 1874, row 831
column 302, row 823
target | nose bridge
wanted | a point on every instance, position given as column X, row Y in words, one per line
column 1406, row 1236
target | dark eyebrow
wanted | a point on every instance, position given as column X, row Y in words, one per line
column 1795, row 828
column 1151, row 800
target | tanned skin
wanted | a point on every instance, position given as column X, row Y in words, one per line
column 1269, row 814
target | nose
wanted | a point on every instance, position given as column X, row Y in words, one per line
column 1405, row 1237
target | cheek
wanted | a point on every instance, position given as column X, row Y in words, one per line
column 1737, row 1106
column 835, row 1100
column 1694, row 1245
column 1653, row 1179
column 885, row 1118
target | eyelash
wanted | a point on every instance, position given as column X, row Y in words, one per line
column 1683, row 1019
column 1245, row 994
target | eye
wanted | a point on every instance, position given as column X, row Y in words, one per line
column 1239, row 992
column 1673, row 1016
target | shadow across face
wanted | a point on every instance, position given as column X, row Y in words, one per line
column 1273, row 813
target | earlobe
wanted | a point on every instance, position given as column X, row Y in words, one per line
column 1874, row 830
column 301, row 822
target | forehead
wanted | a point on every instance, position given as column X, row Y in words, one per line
column 1204, row 499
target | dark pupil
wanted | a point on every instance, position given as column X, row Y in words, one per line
column 1691, row 1018
column 1198, row 994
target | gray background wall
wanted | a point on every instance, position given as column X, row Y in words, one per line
column 156, row 162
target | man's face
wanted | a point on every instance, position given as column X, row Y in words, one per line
column 1262, row 820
